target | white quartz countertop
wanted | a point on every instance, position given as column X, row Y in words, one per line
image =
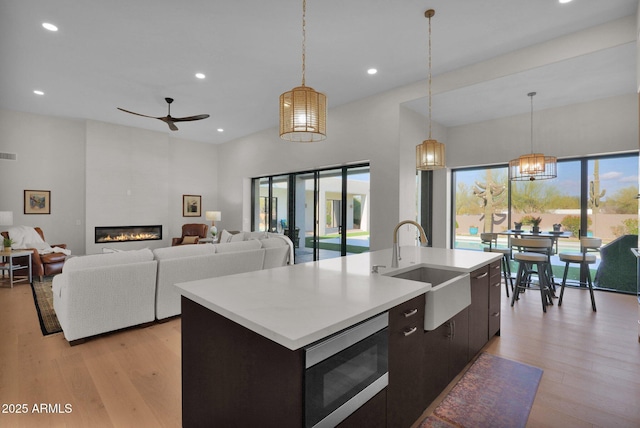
column 300, row 304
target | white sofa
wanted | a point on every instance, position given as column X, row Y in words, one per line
column 100, row 293
column 105, row 292
column 193, row 262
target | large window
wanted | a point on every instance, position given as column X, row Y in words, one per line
column 590, row 197
column 324, row 212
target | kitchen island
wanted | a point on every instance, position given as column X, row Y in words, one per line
column 244, row 336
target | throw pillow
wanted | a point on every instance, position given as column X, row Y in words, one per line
column 189, row 239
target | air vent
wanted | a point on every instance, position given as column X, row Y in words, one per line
column 8, row 156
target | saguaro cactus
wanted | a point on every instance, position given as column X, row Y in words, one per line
column 491, row 194
column 594, row 189
column 595, row 194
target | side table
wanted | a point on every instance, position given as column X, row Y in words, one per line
column 7, row 264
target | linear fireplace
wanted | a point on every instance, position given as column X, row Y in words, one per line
column 127, row 233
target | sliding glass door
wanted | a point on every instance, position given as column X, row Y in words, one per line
column 325, row 212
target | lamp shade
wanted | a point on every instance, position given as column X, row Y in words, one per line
column 430, row 155
column 534, row 166
column 303, row 115
column 6, row 218
column 213, row 215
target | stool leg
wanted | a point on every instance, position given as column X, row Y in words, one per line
column 504, row 273
column 516, row 291
column 593, row 299
column 564, row 282
column 542, row 279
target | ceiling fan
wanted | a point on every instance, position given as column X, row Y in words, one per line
column 168, row 119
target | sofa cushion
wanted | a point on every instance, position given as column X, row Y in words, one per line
column 254, row 244
column 226, row 236
column 181, row 251
column 255, row 235
column 110, row 259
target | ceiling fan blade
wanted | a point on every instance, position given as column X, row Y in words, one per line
column 169, row 121
column 189, row 118
column 138, row 114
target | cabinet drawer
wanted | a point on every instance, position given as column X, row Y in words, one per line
column 407, row 319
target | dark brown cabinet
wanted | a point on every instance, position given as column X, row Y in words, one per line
column 229, row 373
column 405, row 398
column 479, row 310
column 446, row 354
column 495, row 286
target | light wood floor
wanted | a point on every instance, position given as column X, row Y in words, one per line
column 591, row 365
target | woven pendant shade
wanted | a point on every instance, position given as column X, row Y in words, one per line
column 533, row 166
column 303, row 115
column 429, row 155
column 303, row 111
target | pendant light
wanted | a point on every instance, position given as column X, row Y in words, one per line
column 429, row 154
column 534, row 166
column 303, row 111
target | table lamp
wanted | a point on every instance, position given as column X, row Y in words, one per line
column 6, row 218
column 213, row 216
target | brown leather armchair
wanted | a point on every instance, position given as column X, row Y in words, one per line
column 193, row 232
column 45, row 264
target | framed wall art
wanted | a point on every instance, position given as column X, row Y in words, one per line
column 37, row 202
column 191, row 205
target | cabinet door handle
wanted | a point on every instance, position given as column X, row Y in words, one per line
column 410, row 312
column 497, row 284
column 482, row 276
column 495, row 314
column 410, row 331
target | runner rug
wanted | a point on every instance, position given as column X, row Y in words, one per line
column 495, row 392
column 43, row 299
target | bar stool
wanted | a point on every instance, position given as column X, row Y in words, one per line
column 584, row 260
column 491, row 239
column 530, row 252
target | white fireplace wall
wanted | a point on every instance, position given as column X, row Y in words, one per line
column 137, row 177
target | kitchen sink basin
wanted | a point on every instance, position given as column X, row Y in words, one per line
column 450, row 293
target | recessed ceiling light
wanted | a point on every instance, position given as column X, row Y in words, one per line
column 49, row 26
column 37, row 92
column 200, row 75
column 372, row 71
column 220, row 130
column 564, row 1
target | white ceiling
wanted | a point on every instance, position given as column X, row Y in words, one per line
column 134, row 53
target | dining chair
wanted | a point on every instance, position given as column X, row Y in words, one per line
column 587, row 245
column 533, row 258
column 491, row 239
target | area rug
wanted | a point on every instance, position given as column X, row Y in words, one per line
column 495, row 392
column 43, row 299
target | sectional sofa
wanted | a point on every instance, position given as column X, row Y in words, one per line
column 100, row 293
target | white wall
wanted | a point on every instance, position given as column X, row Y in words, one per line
column 137, row 177
column 366, row 130
column 102, row 174
column 50, row 156
column 607, row 125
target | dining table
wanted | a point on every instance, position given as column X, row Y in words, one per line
column 554, row 236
